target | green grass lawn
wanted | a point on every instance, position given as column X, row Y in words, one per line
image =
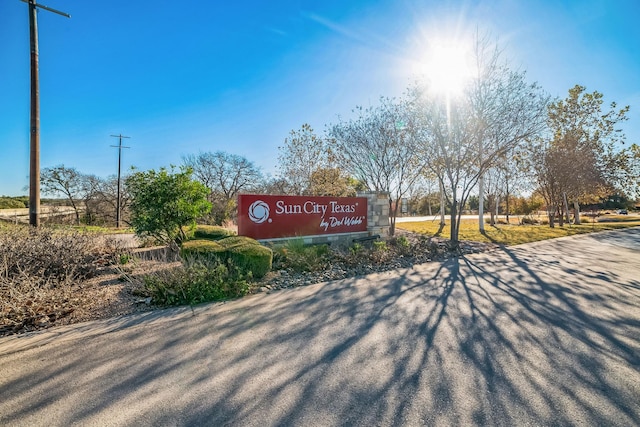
column 515, row 234
column 101, row 230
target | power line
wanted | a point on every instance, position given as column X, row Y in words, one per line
column 119, row 147
column 34, row 134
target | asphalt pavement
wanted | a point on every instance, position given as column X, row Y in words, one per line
column 546, row 333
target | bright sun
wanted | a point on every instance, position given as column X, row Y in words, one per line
column 447, row 68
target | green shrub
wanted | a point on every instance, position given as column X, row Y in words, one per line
column 212, row 232
column 300, row 257
column 11, row 203
column 402, row 242
column 356, row 248
column 244, row 253
column 125, row 258
column 256, row 259
column 200, row 279
column 165, row 204
column 380, row 251
column 233, row 241
column 195, row 247
column 380, row 245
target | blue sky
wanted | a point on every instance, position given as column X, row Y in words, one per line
column 190, row 76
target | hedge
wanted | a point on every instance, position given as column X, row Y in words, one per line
column 212, row 232
column 243, row 252
column 231, row 242
column 194, row 247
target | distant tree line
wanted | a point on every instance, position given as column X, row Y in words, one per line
column 14, row 202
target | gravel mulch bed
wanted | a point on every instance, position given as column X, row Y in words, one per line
column 340, row 265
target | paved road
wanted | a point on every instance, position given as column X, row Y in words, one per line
column 22, row 214
column 436, row 218
column 540, row 334
column 433, row 218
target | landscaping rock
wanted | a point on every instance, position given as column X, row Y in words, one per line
column 343, row 264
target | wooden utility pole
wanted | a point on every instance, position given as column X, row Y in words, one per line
column 34, row 134
column 119, row 147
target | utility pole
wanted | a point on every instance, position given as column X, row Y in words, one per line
column 119, row 147
column 34, row 134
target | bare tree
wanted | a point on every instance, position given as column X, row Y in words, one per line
column 628, row 173
column 507, row 179
column 494, row 191
column 333, row 182
column 101, row 200
column 516, row 177
column 465, row 136
column 225, row 175
column 70, row 183
column 423, row 195
column 274, row 185
column 378, row 147
column 93, row 208
column 302, row 154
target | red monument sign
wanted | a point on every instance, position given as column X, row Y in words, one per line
column 267, row 217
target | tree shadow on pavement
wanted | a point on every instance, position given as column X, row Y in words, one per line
column 515, row 336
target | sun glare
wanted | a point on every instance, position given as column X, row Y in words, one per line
column 447, row 68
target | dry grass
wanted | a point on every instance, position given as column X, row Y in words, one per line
column 58, row 276
column 44, row 272
column 512, row 234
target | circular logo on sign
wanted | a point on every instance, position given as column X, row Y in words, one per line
column 258, row 212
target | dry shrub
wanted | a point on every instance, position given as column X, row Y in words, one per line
column 39, row 270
